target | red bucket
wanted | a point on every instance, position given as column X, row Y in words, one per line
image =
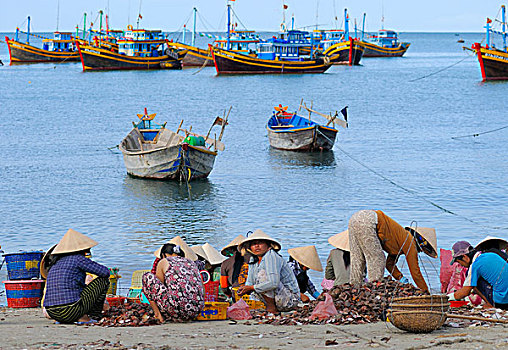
column 24, row 293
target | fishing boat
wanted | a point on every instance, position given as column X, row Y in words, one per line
column 60, row 48
column 152, row 151
column 493, row 60
column 240, row 41
column 138, row 49
column 339, row 45
column 383, row 44
column 293, row 132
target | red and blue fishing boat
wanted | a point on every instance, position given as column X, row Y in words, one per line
column 138, row 49
column 493, row 59
column 292, row 132
column 60, row 48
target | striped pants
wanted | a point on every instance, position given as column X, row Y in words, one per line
column 365, row 247
column 90, row 303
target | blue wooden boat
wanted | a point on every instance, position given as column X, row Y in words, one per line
column 293, row 132
column 151, row 151
column 383, row 44
column 493, row 59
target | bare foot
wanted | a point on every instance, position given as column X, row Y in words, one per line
column 106, row 306
column 160, row 318
column 84, row 318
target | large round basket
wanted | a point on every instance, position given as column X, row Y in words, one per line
column 417, row 321
column 421, row 303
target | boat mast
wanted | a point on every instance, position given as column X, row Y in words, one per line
column 100, row 23
column 346, row 26
column 317, row 13
column 183, row 33
column 363, row 25
column 228, row 44
column 382, row 15
column 503, row 17
column 84, row 25
column 194, row 28
column 57, row 14
column 487, row 35
column 28, row 31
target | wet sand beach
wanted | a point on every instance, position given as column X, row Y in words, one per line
column 28, row 329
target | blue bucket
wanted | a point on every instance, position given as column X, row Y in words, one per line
column 23, row 265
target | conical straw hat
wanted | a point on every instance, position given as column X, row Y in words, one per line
column 189, row 253
column 212, row 255
column 258, row 234
column 44, row 262
column 491, row 242
column 73, row 241
column 199, row 251
column 429, row 234
column 307, row 256
column 340, row 240
column 234, row 243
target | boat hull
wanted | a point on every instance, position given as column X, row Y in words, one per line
column 343, row 53
column 314, row 138
column 180, row 162
column 493, row 63
column 227, row 62
column 93, row 58
column 196, row 57
column 373, row 50
column 25, row 53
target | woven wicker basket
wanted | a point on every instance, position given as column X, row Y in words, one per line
column 417, row 321
column 437, row 299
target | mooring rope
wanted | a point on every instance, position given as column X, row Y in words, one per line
column 414, row 193
column 480, row 133
column 439, row 71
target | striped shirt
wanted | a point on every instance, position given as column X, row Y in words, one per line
column 66, row 279
column 277, row 270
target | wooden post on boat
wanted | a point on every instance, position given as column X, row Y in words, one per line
column 310, row 109
column 179, row 126
column 299, row 108
column 224, row 122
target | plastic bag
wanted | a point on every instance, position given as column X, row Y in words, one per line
column 452, row 277
column 239, row 311
column 324, row 309
column 327, row 284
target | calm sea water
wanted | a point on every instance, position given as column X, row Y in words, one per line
column 56, row 171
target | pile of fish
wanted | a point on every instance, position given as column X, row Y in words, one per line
column 355, row 305
column 129, row 314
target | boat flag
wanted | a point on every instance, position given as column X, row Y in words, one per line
column 285, row 6
column 140, row 17
column 344, row 112
column 489, row 20
column 219, row 121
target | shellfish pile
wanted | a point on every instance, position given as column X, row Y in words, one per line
column 129, row 314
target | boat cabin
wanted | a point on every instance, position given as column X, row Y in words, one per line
column 385, row 38
column 287, row 120
column 141, row 43
column 62, row 41
column 290, row 46
column 243, row 41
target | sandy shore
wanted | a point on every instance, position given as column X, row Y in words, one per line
column 28, row 329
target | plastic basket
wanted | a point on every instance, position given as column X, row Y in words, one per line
column 136, row 283
column 116, row 300
column 255, row 304
column 212, row 291
column 24, row 293
column 213, row 311
column 236, row 297
column 23, row 265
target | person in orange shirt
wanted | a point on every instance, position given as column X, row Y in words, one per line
column 372, row 232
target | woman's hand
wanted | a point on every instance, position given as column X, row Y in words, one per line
column 245, row 290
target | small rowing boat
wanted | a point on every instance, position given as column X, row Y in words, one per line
column 293, row 132
column 154, row 152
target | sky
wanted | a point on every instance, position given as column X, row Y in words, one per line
column 260, row 15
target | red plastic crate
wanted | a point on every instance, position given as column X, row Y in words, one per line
column 23, row 293
column 212, row 291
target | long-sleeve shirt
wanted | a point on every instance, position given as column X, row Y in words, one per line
column 309, row 288
column 66, row 279
column 277, row 271
column 336, row 270
column 396, row 240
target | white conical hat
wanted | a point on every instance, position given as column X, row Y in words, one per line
column 429, row 234
column 189, row 253
column 307, row 256
column 198, row 249
column 212, row 255
column 258, row 234
column 234, row 243
column 494, row 242
column 73, row 241
column 340, row 240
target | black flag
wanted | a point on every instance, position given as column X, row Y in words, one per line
column 344, row 112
